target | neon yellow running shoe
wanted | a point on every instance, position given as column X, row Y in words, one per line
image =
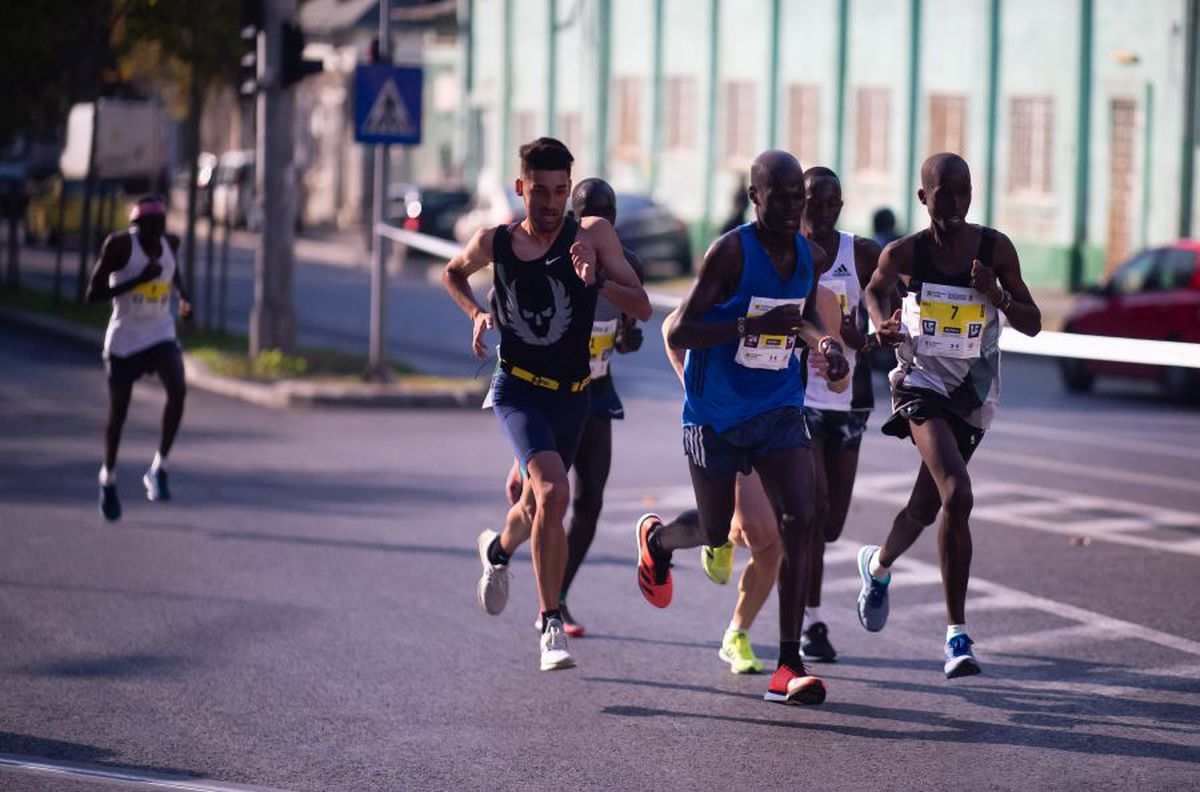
column 717, row 562
column 737, row 651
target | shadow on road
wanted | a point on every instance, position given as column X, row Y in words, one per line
column 40, row 748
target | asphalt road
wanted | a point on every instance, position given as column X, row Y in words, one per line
column 301, row 616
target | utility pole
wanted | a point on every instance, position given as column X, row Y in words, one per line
column 273, row 320
column 378, row 369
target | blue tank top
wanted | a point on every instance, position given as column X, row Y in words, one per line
column 719, row 391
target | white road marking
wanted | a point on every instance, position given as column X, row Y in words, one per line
column 1121, row 443
column 1123, row 476
column 1126, row 528
column 80, row 770
column 987, row 596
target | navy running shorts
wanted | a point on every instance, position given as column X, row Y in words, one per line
column 723, row 454
column 840, row 430
column 536, row 419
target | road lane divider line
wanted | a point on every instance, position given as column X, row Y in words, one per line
column 81, row 770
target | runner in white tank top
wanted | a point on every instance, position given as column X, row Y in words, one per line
column 959, row 277
column 836, row 420
column 137, row 272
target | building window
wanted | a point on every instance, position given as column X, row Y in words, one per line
column 1031, row 159
column 627, row 96
column 680, row 116
column 871, row 131
column 803, row 123
column 524, row 126
column 947, row 124
column 570, row 131
column 740, row 118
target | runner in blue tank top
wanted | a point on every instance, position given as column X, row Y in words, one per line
column 753, row 301
column 959, row 277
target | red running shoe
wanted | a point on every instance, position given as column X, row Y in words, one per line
column 789, row 687
column 653, row 575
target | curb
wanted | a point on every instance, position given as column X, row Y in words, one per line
column 275, row 395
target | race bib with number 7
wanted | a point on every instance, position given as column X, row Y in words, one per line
column 948, row 322
column 772, row 352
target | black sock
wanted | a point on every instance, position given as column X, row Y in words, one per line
column 656, row 548
column 495, row 553
column 789, row 655
column 548, row 615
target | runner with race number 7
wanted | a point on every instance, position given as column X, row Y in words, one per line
column 946, row 385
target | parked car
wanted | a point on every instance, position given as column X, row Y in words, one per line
column 1155, row 295
column 429, row 210
column 233, row 192
column 653, row 232
column 110, row 209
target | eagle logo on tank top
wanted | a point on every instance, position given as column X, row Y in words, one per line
column 538, row 309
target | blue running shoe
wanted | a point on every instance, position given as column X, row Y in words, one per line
column 873, row 599
column 960, row 662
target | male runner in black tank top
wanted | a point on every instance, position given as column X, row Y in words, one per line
column 549, row 270
column 945, row 426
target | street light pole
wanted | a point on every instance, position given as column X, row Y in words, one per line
column 378, row 369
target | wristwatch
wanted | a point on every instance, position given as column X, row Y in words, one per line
column 741, row 324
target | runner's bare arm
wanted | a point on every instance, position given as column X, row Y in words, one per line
column 866, row 258
column 113, row 255
column 629, row 335
column 675, row 356
column 812, row 329
column 719, row 273
column 621, row 285
column 830, row 310
column 895, row 262
column 185, row 302
column 1011, row 296
column 455, row 277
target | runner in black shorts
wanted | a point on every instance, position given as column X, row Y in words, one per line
column 549, row 270
column 946, row 384
column 137, row 271
column 836, row 420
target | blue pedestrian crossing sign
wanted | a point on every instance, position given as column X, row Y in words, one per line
column 387, row 104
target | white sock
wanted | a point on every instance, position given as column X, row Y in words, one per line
column 954, row 630
column 107, row 477
column 879, row 571
column 812, row 616
column 159, row 462
column 733, row 628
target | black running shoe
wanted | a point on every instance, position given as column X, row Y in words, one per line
column 110, row 505
column 814, row 644
column 156, row 485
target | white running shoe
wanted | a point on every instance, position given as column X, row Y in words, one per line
column 492, row 591
column 554, row 647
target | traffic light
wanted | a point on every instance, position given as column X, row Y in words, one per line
column 295, row 67
column 252, row 20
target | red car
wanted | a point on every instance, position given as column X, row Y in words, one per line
column 1154, row 295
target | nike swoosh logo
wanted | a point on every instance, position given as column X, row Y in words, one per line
column 551, row 261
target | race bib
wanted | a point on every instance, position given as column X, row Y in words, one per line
column 151, row 299
column 604, row 338
column 948, row 321
column 838, row 287
column 766, row 351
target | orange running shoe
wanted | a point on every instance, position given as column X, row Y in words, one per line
column 788, row 687
column 653, row 575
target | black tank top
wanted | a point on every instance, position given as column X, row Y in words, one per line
column 923, row 268
column 544, row 311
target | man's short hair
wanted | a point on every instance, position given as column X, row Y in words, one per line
column 547, row 154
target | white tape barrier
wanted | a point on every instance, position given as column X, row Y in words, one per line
column 434, row 246
column 1048, row 343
